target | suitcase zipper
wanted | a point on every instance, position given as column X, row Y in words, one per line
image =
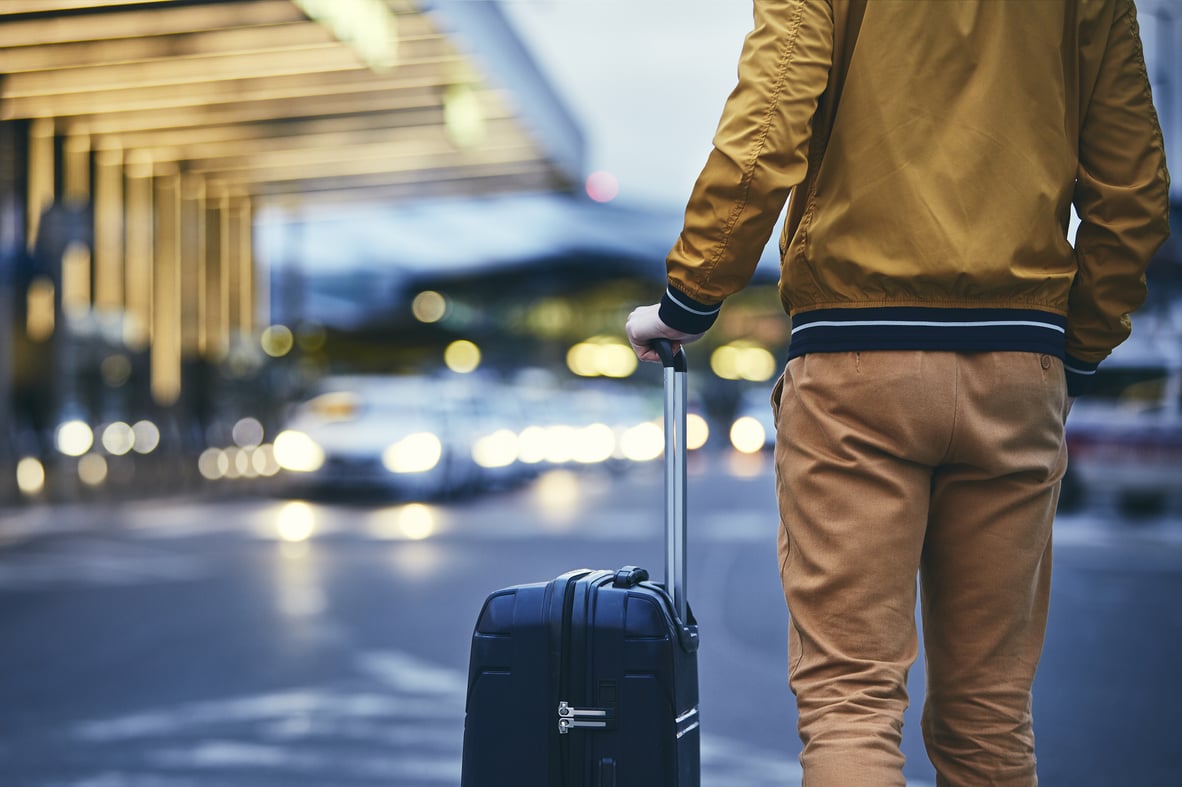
column 569, row 718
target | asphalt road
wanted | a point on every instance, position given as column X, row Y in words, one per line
column 249, row 643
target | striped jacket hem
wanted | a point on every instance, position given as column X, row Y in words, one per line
column 907, row 328
column 926, row 328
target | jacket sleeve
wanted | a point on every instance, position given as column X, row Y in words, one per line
column 760, row 153
column 1122, row 198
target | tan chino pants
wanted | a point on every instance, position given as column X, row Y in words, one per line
column 937, row 464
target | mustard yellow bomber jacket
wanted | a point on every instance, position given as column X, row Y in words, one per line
column 933, row 150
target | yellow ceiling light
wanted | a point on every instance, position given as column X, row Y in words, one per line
column 463, row 117
column 368, row 26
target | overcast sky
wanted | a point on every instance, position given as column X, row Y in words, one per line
column 646, row 79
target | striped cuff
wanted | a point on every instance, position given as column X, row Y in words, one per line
column 682, row 313
column 1080, row 375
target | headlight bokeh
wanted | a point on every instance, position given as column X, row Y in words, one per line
column 415, row 453
column 297, row 452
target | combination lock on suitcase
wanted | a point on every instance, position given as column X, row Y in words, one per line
column 591, row 679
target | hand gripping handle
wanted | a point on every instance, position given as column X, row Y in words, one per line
column 675, row 474
column 664, row 348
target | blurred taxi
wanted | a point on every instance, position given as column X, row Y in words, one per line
column 377, row 434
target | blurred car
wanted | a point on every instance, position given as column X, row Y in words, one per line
column 393, row 435
column 593, row 423
column 484, row 418
column 1124, row 438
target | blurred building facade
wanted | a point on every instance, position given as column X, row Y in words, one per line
column 142, row 140
column 138, row 140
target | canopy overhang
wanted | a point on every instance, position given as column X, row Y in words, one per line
column 293, row 100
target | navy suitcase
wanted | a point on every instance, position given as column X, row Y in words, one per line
column 591, row 679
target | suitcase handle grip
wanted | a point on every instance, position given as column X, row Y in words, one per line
column 664, row 348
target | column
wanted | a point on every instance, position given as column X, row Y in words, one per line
column 192, row 266
column 216, row 325
column 165, row 353
column 40, row 187
column 242, row 281
column 109, row 217
column 140, row 245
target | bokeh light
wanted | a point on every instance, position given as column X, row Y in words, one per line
column 602, row 356
column 146, row 437
column 277, row 341
column 118, row 438
column 560, row 443
column 74, row 438
column 531, row 445
column 263, row 460
column 417, row 521
column 743, row 361
column 498, row 449
column 415, row 453
column 92, row 469
column 594, row 443
column 429, row 306
column 213, row 464
column 697, row 431
column 296, row 521
column 30, row 476
column 462, row 356
column 643, row 442
column 297, row 452
column 602, row 186
column 558, row 495
column 312, row 337
column 247, row 433
column 748, row 435
column 115, row 369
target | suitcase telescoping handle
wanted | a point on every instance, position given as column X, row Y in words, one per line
column 675, row 475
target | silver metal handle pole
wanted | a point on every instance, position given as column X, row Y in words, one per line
column 675, row 476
